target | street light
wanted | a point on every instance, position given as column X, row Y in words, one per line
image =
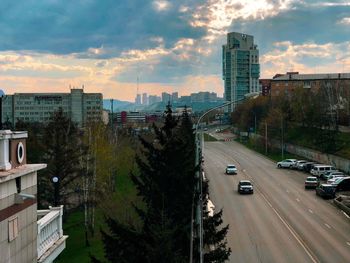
column 199, row 176
column 55, row 181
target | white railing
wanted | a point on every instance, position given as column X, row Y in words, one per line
column 49, row 228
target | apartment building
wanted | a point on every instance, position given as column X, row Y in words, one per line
column 38, row 107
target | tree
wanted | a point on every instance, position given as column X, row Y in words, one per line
column 62, row 154
column 165, row 182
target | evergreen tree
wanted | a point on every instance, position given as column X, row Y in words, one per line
column 214, row 238
column 62, row 154
column 165, row 183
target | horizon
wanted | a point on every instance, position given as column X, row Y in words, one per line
column 47, row 46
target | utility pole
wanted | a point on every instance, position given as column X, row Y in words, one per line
column 282, row 148
column 265, row 137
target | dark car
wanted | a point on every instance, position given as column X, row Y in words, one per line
column 326, row 191
column 308, row 166
column 245, row 187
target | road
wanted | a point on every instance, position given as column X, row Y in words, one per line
column 280, row 222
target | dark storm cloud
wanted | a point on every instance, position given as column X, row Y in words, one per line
column 64, row 27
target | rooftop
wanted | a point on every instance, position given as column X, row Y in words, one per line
column 324, row 76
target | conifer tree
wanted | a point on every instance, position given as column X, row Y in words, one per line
column 62, row 155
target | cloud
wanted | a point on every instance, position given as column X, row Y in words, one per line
column 161, row 5
column 306, row 58
column 344, row 21
column 218, row 15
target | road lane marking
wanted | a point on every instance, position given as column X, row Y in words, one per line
column 298, row 199
column 327, row 225
column 293, row 232
column 346, row 214
column 348, row 243
column 311, row 211
column 287, row 191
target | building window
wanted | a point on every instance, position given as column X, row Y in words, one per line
column 13, row 228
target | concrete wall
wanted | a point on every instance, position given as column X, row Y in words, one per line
column 339, row 162
column 24, row 247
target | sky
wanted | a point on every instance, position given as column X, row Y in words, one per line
column 117, row 46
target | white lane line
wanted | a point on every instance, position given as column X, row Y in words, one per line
column 327, row 225
column 298, row 199
column 346, row 214
column 287, row 191
column 348, row 243
column 292, row 231
column 311, row 211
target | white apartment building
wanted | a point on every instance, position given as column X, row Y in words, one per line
column 38, row 107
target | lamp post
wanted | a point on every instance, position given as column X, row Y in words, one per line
column 2, row 95
column 199, row 178
column 55, row 181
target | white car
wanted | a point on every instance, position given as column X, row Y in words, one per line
column 287, row 163
column 333, row 178
column 231, row 169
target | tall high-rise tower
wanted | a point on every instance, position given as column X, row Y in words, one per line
column 240, row 67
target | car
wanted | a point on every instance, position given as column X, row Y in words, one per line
column 326, row 191
column 308, row 166
column 338, row 180
column 325, row 174
column 205, row 129
column 231, row 169
column 332, row 178
column 311, row 182
column 245, row 187
column 318, row 170
column 287, row 163
column 332, row 175
column 298, row 164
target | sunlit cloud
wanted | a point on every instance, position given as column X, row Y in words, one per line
column 344, row 21
column 329, row 58
column 161, row 5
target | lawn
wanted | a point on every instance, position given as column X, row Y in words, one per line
column 76, row 250
column 208, row 138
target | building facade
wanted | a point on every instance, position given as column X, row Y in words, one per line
column 287, row 83
column 144, row 99
column 38, row 107
column 27, row 235
column 240, row 67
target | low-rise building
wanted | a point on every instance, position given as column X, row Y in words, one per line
column 27, row 235
column 287, row 83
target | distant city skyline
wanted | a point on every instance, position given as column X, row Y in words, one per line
column 47, row 46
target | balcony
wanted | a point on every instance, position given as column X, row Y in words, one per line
column 50, row 239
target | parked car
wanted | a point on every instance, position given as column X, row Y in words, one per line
column 343, row 184
column 332, row 178
column 245, row 187
column 311, row 182
column 298, row 163
column 231, row 169
column 325, row 174
column 333, row 175
column 318, row 170
column 325, row 191
column 287, row 163
column 338, row 180
column 308, row 166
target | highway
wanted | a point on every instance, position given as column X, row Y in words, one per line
column 280, row 222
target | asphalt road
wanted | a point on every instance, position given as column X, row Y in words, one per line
column 280, row 222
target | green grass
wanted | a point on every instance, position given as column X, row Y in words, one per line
column 273, row 154
column 208, row 138
column 76, row 251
